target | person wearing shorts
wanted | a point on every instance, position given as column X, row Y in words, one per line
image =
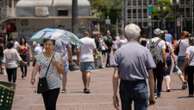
column 86, row 60
column 183, row 43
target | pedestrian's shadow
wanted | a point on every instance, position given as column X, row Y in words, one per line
column 76, row 92
column 176, row 89
column 184, row 97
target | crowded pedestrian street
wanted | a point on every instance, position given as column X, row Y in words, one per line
column 96, row 54
column 100, row 97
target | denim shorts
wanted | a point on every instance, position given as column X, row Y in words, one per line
column 181, row 60
column 87, row 66
column 66, row 67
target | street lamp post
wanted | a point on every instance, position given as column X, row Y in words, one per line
column 74, row 16
column 192, row 17
column 150, row 26
column 149, row 13
column 177, row 17
column 108, row 22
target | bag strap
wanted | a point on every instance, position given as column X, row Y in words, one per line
column 179, row 44
column 49, row 65
column 158, row 41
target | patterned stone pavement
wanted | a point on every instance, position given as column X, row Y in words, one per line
column 100, row 98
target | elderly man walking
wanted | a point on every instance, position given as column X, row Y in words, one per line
column 134, row 64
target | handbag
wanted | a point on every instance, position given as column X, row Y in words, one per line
column 42, row 83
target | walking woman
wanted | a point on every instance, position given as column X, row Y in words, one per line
column 170, row 59
column 55, row 69
column 190, row 64
column 182, row 44
column 24, row 51
column 11, row 57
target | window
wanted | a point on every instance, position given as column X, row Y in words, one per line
column 63, row 13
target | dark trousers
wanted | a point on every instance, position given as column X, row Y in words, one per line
column 190, row 80
column 24, row 67
column 108, row 57
column 159, row 72
column 24, row 70
column 12, row 74
column 50, row 99
column 134, row 91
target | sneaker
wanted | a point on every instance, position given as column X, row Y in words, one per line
column 168, row 90
column 190, row 95
column 63, row 91
column 184, row 86
column 86, row 91
column 158, row 95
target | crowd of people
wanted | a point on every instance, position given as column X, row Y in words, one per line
column 138, row 60
column 14, row 55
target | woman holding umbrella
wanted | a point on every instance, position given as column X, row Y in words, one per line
column 53, row 74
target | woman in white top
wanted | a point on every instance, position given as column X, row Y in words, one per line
column 85, row 57
column 56, row 68
column 190, row 61
column 11, row 58
column 183, row 43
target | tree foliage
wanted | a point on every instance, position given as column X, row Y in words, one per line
column 162, row 9
column 104, row 8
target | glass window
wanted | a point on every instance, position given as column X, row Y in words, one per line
column 63, row 13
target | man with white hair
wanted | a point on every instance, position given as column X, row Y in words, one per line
column 134, row 64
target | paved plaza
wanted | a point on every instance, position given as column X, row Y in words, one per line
column 99, row 99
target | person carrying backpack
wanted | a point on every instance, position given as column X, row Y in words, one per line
column 157, row 48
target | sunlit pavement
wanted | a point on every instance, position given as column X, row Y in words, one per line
column 100, row 97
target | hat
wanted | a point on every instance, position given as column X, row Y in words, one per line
column 132, row 31
column 157, row 31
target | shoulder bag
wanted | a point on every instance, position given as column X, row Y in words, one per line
column 176, row 50
column 42, row 83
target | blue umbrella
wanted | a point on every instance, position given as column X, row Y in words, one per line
column 60, row 36
column 42, row 34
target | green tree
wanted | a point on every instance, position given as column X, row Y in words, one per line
column 104, row 8
column 162, row 9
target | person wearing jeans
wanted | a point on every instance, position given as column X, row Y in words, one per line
column 11, row 57
column 190, row 65
column 190, row 80
column 11, row 72
column 132, row 68
column 139, row 94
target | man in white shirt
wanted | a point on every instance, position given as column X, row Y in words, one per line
column 38, row 49
column 157, row 47
column 86, row 60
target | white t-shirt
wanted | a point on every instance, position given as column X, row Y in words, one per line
column 184, row 43
column 87, row 48
column 190, row 52
column 122, row 42
column 102, row 44
column 11, row 57
column 16, row 45
column 161, row 45
column 38, row 49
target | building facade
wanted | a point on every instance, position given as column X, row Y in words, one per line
column 29, row 16
column 137, row 12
